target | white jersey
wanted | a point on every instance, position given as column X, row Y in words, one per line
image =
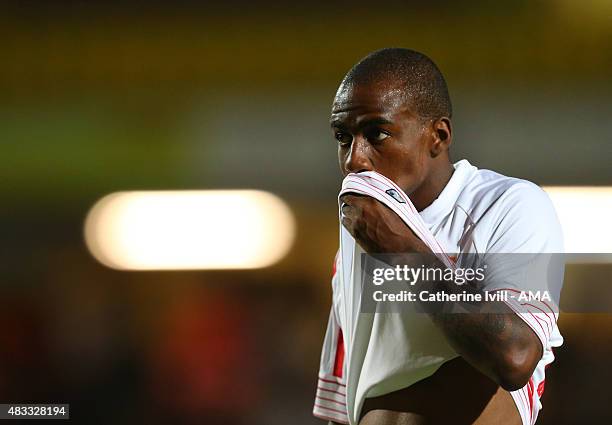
column 479, row 211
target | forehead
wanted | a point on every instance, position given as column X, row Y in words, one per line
column 354, row 100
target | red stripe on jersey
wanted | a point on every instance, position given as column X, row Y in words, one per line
column 331, row 391
column 548, row 319
column 541, row 327
column 530, row 392
column 339, row 361
column 331, row 400
column 541, row 388
column 331, row 382
column 330, row 409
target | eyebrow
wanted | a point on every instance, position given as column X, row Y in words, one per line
column 363, row 124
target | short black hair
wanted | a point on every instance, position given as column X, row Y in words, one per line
column 422, row 81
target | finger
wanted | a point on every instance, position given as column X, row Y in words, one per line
column 351, row 198
column 346, row 209
column 348, row 225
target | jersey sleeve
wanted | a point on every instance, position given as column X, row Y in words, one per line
column 524, row 254
column 330, row 398
column 525, row 257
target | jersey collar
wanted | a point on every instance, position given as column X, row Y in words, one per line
column 445, row 202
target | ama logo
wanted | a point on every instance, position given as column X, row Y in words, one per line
column 395, row 195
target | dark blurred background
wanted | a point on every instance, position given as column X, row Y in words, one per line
column 97, row 97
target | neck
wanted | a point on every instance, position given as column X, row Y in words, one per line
column 432, row 187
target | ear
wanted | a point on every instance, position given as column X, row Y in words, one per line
column 442, row 136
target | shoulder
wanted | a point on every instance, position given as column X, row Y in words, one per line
column 488, row 190
column 515, row 214
column 489, row 186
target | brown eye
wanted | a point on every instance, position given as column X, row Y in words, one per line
column 343, row 138
column 380, row 136
column 376, row 135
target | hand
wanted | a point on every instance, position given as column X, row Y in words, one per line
column 376, row 228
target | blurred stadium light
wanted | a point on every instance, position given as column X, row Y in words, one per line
column 584, row 212
column 180, row 230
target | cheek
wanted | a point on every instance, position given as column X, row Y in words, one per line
column 408, row 168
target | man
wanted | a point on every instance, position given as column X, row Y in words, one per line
column 392, row 115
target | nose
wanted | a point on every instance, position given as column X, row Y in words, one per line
column 358, row 158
